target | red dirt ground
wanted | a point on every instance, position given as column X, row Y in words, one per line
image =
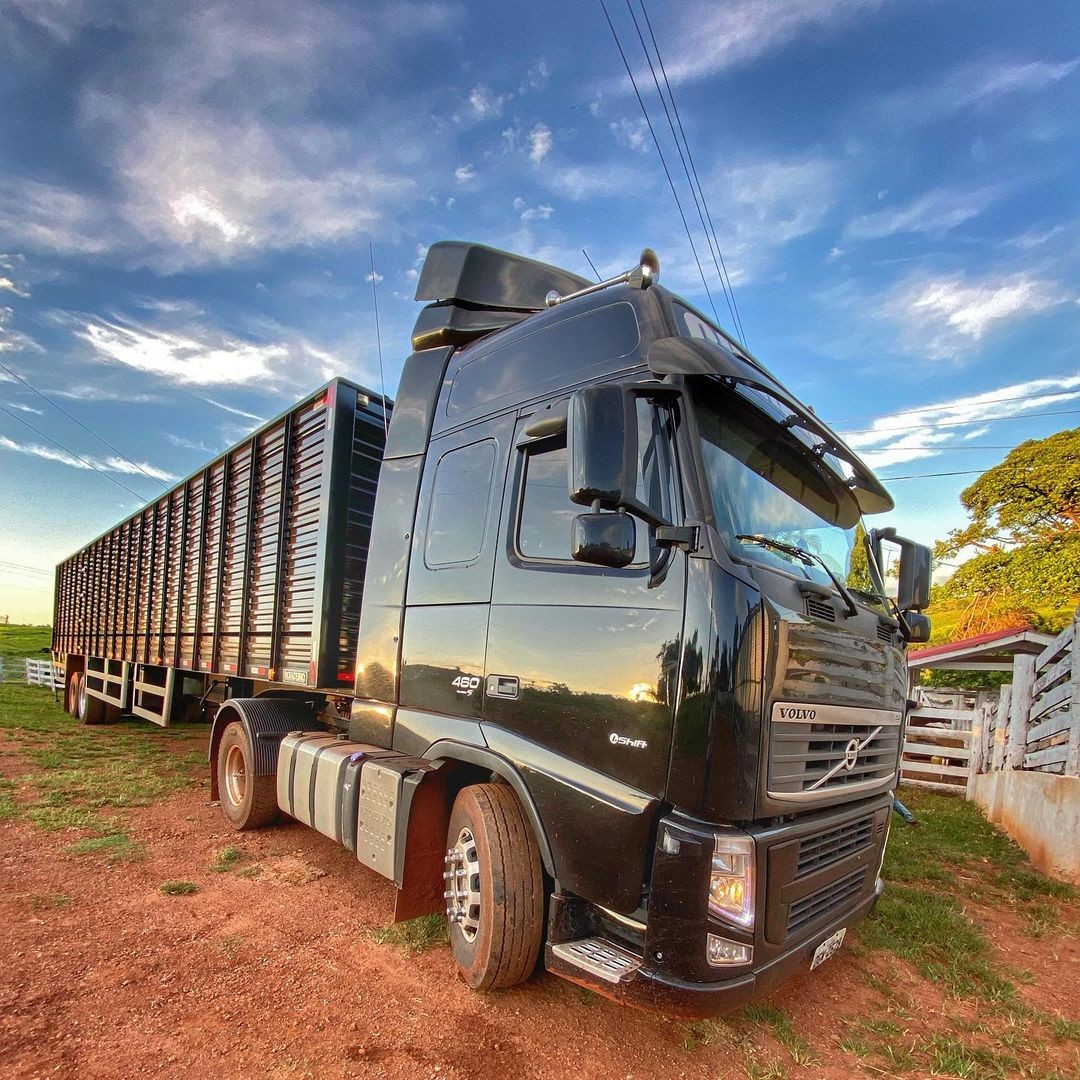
column 276, row 975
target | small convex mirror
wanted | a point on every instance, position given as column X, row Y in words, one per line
column 603, row 539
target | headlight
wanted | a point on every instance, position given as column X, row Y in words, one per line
column 731, row 886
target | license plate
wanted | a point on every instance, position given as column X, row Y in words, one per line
column 829, row 947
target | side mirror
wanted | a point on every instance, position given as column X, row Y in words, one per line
column 916, row 561
column 913, row 593
column 918, row 628
column 602, row 451
column 604, row 539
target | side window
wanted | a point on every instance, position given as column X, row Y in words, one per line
column 459, row 501
column 546, row 509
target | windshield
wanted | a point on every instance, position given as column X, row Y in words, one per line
column 766, row 483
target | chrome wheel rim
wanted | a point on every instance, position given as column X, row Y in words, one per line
column 463, row 885
column 80, row 704
column 235, row 776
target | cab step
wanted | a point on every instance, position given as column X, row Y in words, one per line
column 599, row 957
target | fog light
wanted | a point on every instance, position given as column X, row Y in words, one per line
column 721, row 951
column 731, row 885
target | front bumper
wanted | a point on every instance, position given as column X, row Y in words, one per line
column 662, row 992
column 815, row 874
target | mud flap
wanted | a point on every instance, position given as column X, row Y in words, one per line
column 425, row 807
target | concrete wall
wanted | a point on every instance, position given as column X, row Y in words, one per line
column 1041, row 812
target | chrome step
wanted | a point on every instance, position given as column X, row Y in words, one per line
column 599, row 957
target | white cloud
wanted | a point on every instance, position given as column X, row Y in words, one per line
column 8, row 285
column 12, row 340
column 974, row 85
column 579, row 182
column 948, row 314
column 927, row 431
column 759, row 206
column 632, row 133
column 933, row 213
column 46, row 217
column 233, row 409
column 535, row 213
column 709, row 38
column 4, row 377
column 486, row 104
column 540, row 142
column 204, row 358
column 536, row 78
column 210, row 130
column 85, row 462
column 464, row 174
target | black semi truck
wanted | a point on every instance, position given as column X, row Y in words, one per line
column 566, row 642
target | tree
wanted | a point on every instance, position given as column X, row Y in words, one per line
column 1025, row 526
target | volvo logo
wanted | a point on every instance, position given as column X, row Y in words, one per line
column 788, row 713
column 851, row 754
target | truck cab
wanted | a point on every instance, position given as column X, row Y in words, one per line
column 622, row 590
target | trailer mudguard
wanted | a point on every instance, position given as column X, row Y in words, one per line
column 267, row 720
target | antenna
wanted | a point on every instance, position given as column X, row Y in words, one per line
column 590, row 262
column 378, row 340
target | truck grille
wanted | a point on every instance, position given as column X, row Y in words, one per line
column 828, row 847
column 826, row 900
column 819, row 750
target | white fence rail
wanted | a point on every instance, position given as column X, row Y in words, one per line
column 937, row 748
column 43, row 673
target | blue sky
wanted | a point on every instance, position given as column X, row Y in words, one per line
column 188, row 190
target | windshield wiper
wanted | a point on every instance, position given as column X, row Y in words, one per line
column 807, row 558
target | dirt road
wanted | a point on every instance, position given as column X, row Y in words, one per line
column 270, row 968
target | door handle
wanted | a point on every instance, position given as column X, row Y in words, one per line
column 502, row 686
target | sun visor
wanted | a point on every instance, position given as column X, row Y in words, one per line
column 489, row 278
column 694, row 356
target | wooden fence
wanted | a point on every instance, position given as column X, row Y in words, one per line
column 1035, row 723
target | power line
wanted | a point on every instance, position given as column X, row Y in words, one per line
column 964, row 423
column 71, row 453
column 590, row 262
column 928, row 475
column 714, row 242
column 939, row 408
column 75, row 420
column 682, row 156
column 660, row 154
column 23, row 569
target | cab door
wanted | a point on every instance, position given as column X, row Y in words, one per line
column 581, row 665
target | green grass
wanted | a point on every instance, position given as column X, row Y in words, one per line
column 179, row 888
column 227, row 858
column 80, row 774
column 115, row 846
column 19, row 641
column 770, row 1016
column 415, row 935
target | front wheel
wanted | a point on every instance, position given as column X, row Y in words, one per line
column 495, row 888
column 248, row 801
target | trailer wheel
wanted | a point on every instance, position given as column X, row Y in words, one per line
column 92, row 710
column 495, row 886
column 248, row 801
column 71, row 698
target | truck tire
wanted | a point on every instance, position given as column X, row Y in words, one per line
column 248, row 801
column 496, row 906
column 92, row 710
